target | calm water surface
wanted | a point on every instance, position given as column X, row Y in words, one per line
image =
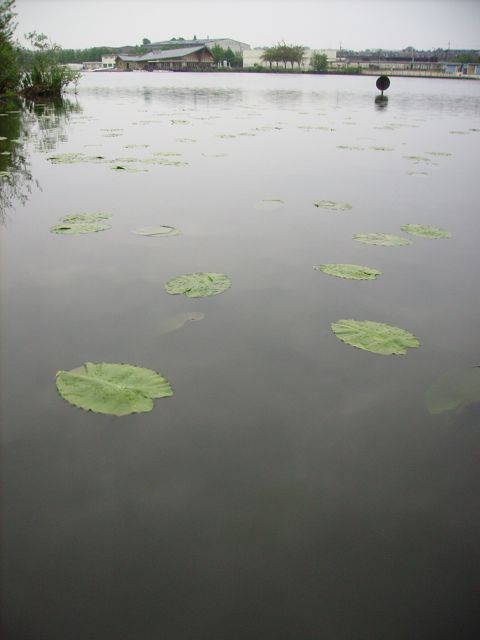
column 293, row 486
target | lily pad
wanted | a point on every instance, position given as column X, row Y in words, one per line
column 74, row 228
column 128, row 168
column 73, row 158
column 86, row 217
column 454, row 389
column 438, row 153
column 350, row 147
column 382, row 239
column 350, row 271
column 269, row 205
column 375, row 148
column 333, row 206
column 376, row 337
column 112, row 389
column 157, row 232
column 198, row 285
column 136, row 146
column 425, row 231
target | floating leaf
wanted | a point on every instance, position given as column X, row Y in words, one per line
column 179, row 121
column 113, row 389
column 454, row 389
column 214, row 155
column 375, row 148
column 425, row 231
column 157, row 232
column 383, row 239
column 417, row 173
column 376, row 337
column 73, row 228
column 198, row 285
column 438, row 153
column 350, row 271
column 85, row 217
column 166, row 153
column 269, row 205
column 350, row 147
column 73, row 158
column 179, row 320
column 185, row 139
column 128, row 168
column 333, row 206
column 136, row 146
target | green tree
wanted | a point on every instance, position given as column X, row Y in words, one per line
column 218, row 54
column 230, row 57
column 319, row 62
column 146, row 41
column 9, row 68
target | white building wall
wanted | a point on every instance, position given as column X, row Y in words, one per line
column 108, row 62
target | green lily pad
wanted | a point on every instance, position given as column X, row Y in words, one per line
column 454, row 389
column 382, row 239
column 438, row 153
column 136, row 146
column 85, row 217
column 185, row 140
column 198, row 285
column 73, row 158
column 179, row 121
column 350, row 147
column 333, row 206
column 376, row 337
column 112, row 389
column 269, row 205
column 3, row 138
column 350, row 271
column 157, row 232
column 425, row 231
column 74, row 228
column 128, row 168
column 375, row 148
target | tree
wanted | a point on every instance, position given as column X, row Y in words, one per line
column 9, row 68
column 218, row 54
column 146, row 41
column 230, row 57
column 45, row 76
column 319, row 62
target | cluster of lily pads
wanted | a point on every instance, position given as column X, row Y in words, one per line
column 371, row 336
column 122, row 389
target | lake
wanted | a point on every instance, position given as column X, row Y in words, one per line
column 293, row 486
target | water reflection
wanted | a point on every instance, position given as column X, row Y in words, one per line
column 381, row 102
column 44, row 124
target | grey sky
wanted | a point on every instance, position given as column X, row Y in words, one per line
column 357, row 24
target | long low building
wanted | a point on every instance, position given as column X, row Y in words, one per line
column 184, row 59
column 253, row 58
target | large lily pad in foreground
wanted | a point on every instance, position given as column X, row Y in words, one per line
column 350, row 271
column 425, row 231
column 376, row 337
column 198, row 285
column 382, row 239
column 454, row 389
column 114, row 389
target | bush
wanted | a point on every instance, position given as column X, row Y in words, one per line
column 45, row 76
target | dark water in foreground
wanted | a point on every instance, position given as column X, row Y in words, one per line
column 293, row 486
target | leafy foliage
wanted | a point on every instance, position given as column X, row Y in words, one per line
column 376, row 337
column 198, row 285
column 350, row 271
column 9, row 67
column 45, row 76
column 112, row 389
column 319, row 62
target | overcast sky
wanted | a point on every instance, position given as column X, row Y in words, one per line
column 322, row 24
